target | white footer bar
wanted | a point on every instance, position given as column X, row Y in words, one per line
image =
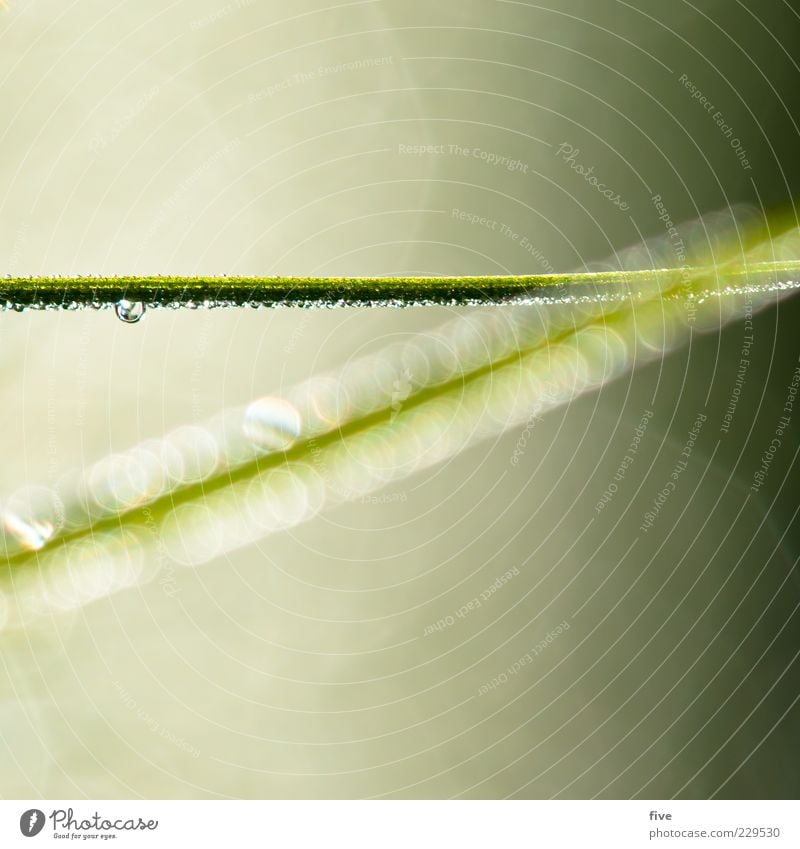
column 401, row 824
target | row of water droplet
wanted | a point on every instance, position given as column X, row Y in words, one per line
column 130, row 312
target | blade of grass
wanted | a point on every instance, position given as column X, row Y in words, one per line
column 518, row 365
column 72, row 292
column 280, row 461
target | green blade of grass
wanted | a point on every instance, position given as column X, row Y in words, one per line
column 71, row 292
column 341, row 436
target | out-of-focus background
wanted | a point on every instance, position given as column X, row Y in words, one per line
column 384, row 138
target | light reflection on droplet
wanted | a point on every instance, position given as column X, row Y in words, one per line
column 81, row 571
column 193, row 454
column 443, row 358
column 289, row 501
column 272, row 423
column 30, row 535
column 316, row 399
column 126, row 480
column 371, row 383
column 415, row 360
column 29, row 518
column 129, row 311
column 656, row 334
column 234, row 446
column 193, row 534
column 600, row 353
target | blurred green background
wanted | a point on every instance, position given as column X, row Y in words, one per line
column 249, row 137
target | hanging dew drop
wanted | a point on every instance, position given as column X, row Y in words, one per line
column 129, row 311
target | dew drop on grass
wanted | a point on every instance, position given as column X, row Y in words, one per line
column 129, row 311
column 272, row 424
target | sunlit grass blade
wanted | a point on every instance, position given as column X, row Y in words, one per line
column 206, row 489
column 20, row 293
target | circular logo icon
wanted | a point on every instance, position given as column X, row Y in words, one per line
column 31, row 822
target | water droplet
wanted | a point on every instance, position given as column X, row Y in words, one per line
column 272, row 423
column 31, row 535
column 30, row 518
column 129, row 311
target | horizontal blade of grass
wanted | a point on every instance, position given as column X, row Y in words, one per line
column 71, row 292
